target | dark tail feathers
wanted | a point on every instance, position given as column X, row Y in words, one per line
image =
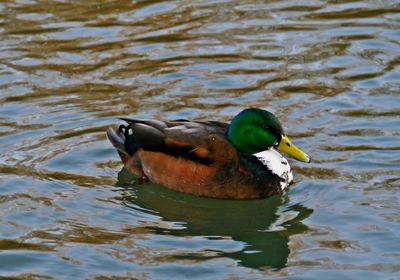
column 123, row 141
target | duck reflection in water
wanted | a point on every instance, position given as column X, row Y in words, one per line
column 263, row 225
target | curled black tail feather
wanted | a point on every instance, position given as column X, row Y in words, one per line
column 122, row 140
column 130, row 142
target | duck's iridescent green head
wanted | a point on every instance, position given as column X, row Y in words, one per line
column 254, row 130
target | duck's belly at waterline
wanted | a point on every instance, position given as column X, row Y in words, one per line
column 186, row 176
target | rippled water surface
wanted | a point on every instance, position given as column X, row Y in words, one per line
column 330, row 70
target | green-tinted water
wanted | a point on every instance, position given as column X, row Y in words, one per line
column 330, row 70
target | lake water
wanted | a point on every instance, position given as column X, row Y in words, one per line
column 330, row 70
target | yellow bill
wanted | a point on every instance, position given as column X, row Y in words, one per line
column 286, row 146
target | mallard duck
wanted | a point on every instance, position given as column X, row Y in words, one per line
column 213, row 159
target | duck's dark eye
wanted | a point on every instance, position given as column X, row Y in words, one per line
column 265, row 128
